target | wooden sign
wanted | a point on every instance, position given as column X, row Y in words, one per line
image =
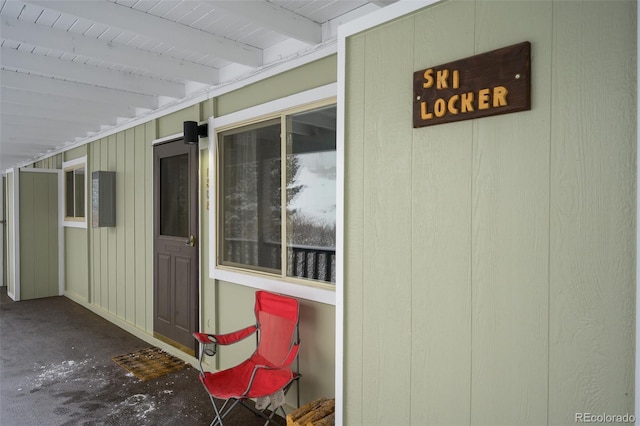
column 492, row 83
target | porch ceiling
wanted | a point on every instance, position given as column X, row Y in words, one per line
column 71, row 70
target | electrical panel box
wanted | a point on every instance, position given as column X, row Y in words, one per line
column 103, row 199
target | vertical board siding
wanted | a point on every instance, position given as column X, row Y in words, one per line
column 441, row 238
column 77, row 279
column 305, row 77
column 592, row 204
column 102, row 258
column 113, row 232
column 139, row 254
column 511, row 232
column 76, row 240
column 354, row 289
column 128, row 222
column 53, row 162
column 91, row 292
column 506, row 243
column 121, row 223
column 387, row 215
column 120, row 256
column 151, row 133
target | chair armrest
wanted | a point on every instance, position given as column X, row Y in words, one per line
column 225, row 339
column 204, row 338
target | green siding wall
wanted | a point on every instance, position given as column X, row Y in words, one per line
column 76, row 265
column 119, row 260
column 309, row 76
column 593, row 208
column 173, row 123
column 74, row 153
column 76, row 243
column 53, row 162
column 490, row 264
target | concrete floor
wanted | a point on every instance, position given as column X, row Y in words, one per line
column 56, row 369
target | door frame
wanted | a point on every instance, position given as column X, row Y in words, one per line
column 159, row 141
column 3, row 233
column 15, row 224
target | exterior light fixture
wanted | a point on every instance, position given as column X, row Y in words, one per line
column 192, row 131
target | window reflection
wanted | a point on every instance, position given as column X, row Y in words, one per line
column 174, row 196
column 311, row 194
column 251, row 205
column 251, row 208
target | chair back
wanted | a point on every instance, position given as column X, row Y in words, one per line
column 277, row 318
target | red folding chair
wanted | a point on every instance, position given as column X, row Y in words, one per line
column 268, row 371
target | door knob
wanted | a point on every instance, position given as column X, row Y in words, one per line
column 191, row 241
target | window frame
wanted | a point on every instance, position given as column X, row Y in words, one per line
column 72, row 166
column 297, row 287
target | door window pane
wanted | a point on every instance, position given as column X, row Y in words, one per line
column 311, row 194
column 251, row 200
column 174, row 196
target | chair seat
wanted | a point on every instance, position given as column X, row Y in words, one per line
column 233, row 382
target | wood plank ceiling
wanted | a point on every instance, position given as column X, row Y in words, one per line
column 71, row 70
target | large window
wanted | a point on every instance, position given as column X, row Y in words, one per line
column 74, row 192
column 277, row 195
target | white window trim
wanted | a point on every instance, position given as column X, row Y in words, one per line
column 274, row 284
column 76, row 223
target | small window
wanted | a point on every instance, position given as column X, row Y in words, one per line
column 277, row 196
column 74, row 193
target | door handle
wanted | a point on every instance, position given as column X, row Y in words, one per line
column 191, row 241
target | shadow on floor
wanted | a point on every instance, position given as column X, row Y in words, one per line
column 56, row 369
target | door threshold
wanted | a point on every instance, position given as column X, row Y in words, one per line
column 175, row 344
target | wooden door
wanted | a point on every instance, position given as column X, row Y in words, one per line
column 39, row 232
column 176, row 275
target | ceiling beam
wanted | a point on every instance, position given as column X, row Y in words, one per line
column 88, row 74
column 172, row 33
column 275, row 18
column 56, row 136
column 382, row 3
column 76, row 44
column 59, row 132
column 52, row 86
column 48, row 122
column 18, row 145
column 10, row 98
column 60, row 113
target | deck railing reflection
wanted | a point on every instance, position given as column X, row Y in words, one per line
column 303, row 261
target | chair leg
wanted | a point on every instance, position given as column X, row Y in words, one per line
column 221, row 412
column 270, row 419
column 217, row 420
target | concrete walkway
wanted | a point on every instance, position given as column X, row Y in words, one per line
column 56, row 369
